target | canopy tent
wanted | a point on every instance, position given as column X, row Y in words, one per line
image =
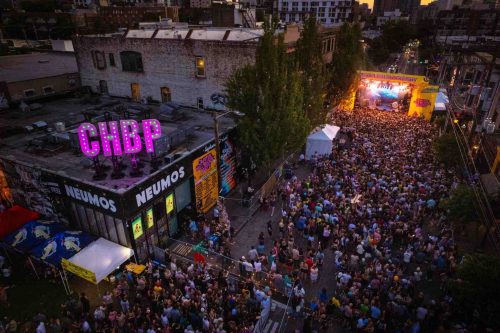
column 63, row 245
column 14, row 218
column 101, row 258
column 32, row 234
column 441, row 101
column 320, row 141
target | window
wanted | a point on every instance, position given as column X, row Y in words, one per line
column 166, row 95
column 48, row 90
column 131, row 61
column 98, row 59
column 29, row 93
column 112, row 60
column 200, row 67
column 199, row 102
column 182, row 195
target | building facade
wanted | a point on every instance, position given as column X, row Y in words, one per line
column 186, row 66
column 33, row 76
column 128, row 17
column 395, row 15
column 327, row 13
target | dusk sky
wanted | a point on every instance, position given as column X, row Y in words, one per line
column 370, row 2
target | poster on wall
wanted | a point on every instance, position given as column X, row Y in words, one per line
column 149, row 218
column 169, row 203
column 137, row 228
column 227, row 166
column 205, row 181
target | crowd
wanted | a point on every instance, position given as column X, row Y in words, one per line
column 373, row 206
column 369, row 209
column 180, row 297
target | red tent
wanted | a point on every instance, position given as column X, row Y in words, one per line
column 14, row 218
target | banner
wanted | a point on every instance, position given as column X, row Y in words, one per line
column 206, row 181
column 423, row 100
column 169, row 203
column 78, row 271
column 228, row 167
column 137, row 228
column 149, row 218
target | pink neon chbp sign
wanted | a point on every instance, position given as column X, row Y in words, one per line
column 118, row 138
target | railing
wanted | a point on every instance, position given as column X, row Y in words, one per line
column 264, row 316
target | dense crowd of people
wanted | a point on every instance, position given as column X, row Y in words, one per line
column 373, row 205
column 369, row 209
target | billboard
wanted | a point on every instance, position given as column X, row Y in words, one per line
column 206, row 181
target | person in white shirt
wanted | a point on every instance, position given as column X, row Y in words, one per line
column 258, row 269
column 41, row 328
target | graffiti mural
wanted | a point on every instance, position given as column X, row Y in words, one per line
column 34, row 189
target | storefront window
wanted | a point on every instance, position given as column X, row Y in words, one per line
column 76, row 218
column 110, row 223
column 92, row 221
column 122, row 237
column 183, row 195
column 80, row 213
column 173, row 227
column 101, row 224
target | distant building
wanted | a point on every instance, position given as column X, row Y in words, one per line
column 327, row 13
column 200, row 3
column 381, row 6
column 128, row 17
column 467, row 22
column 37, row 75
column 395, row 15
column 183, row 65
column 328, row 39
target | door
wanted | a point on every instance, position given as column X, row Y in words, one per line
column 165, row 94
column 103, row 87
column 136, row 91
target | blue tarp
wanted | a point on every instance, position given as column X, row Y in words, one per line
column 63, row 245
column 32, row 234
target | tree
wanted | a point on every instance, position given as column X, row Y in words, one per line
column 460, row 206
column 308, row 57
column 347, row 59
column 270, row 95
column 447, row 150
column 395, row 34
column 476, row 293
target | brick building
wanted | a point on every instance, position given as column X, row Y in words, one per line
column 187, row 66
column 128, row 17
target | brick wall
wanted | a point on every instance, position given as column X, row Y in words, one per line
column 166, row 63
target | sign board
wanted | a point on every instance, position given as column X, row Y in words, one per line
column 169, row 203
column 117, row 138
column 137, row 228
column 149, row 218
column 78, row 271
column 206, row 181
column 228, row 167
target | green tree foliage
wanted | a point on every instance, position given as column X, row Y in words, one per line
column 395, row 34
column 270, row 94
column 347, row 59
column 460, row 206
column 476, row 292
column 308, row 57
column 378, row 52
column 447, row 150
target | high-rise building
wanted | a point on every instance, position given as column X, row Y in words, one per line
column 327, row 13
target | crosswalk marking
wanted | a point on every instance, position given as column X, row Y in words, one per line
column 182, row 249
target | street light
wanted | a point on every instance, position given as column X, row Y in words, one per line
column 216, row 117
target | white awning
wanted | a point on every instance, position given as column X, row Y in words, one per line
column 101, row 257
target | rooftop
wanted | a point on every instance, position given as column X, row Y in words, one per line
column 55, row 149
column 32, row 66
column 182, row 32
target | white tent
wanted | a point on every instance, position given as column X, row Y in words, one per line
column 320, row 141
column 441, row 101
column 101, row 257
